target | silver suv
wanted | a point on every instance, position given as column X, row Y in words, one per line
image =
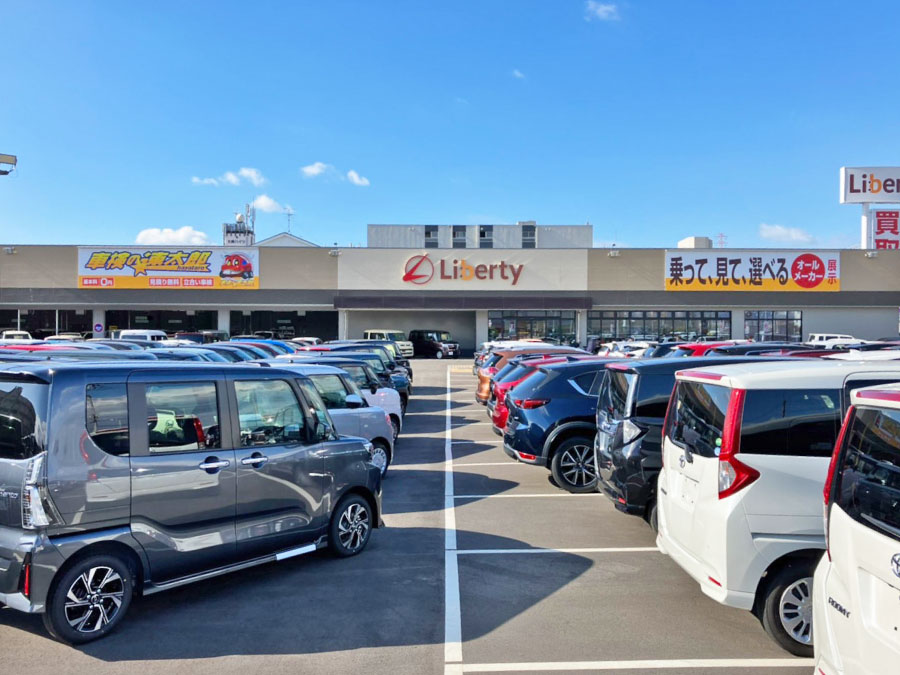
column 120, row 479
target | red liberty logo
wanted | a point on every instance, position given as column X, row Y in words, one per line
column 418, row 270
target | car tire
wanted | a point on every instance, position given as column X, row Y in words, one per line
column 103, row 585
column 652, row 517
column 403, row 403
column 573, row 466
column 381, row 456
column 344, row 539
column 439, row 354
column 395, row 425
column 786, row 607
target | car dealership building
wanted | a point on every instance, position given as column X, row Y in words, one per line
column 474, row 293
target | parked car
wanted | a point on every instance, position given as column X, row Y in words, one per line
column 15, row 335
column 745, row 454
column 433, row 344
column 391, row 350
column 396, row 380
column 392, row 335
column 376, row 392
column 351, row 414
column 140, row 334
column 631, row 410
column 381, row 351
column 702, row 348
column 203, row 336
column 751, row 348
column 65, row 337
column 161, row 476
column 830, row 340
column 551, row 422
column 307, row 340
column 189, row 354
column 512, row 375
column 855, row 587
column 119, row 345
column 500, row 358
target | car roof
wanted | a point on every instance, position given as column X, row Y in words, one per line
column 314, row 369
column 47, row 370
column 668, row 365
column 577, row 366
column 793, row 374
column 887, row 396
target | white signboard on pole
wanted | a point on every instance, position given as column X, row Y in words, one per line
column 870, row 185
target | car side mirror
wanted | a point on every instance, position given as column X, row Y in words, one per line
column 353, row 401
column 373, row 388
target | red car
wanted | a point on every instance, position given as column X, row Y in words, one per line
column 236, row 265
column 702, row 348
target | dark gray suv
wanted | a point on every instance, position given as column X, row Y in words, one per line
column 122, row 479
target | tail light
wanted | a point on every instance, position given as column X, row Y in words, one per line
column 33, row 513
column 25, row 577
column 531, row 403
column 734, row 475
column 832, row 470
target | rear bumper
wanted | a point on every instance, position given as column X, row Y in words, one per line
column 17, row 546
column 537, row 461
column 823, row 632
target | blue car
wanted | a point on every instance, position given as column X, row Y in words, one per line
column 552, row 421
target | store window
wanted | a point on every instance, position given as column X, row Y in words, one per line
column 553, row 326
column 431, row 236
column 485, row 236
column 459, row 236
column 781, row 325
column 621, row 324
column 529, row 237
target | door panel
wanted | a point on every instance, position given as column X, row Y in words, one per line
column 279, row 473
column 182, row 513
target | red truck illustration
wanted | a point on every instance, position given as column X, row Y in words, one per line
column 236, row 265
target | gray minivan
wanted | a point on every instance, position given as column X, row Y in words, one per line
column 119, row 479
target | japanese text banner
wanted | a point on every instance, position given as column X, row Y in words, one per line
column 734, row 270
column 189, row 267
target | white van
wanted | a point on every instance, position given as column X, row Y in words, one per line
column 856, row 610
column 831, row 340
column 746, row 448
column 15, row 335
column 398, row 336
column 141, row 334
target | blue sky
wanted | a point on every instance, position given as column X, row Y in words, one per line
column 652, row 120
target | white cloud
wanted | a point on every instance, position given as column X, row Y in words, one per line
column 788, row 235
column 601, row 11
column 253, row 176
column 315, row 169
column 167, row 236
column 267, row 205
column 356, row 179
column 518, row 74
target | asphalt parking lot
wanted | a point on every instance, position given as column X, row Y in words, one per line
column 485, row 566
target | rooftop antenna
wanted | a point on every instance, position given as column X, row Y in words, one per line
column 289, row 212
column 722, row 240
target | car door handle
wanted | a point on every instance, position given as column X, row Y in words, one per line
column 212, row 464
column 255, row 460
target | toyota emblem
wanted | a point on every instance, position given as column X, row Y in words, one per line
column 895, row 564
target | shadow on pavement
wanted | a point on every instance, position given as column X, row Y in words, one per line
column 391, row 595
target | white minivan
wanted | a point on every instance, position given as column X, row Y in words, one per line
column 856, row 592
column 745, row 452
column 142, row 334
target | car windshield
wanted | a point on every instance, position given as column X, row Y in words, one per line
column 444, row 337
column 697, row 418
column 396, row 336
column 614, row 395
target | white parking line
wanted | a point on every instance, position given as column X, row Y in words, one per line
column 658, row 664
column 493, row 440
column 452, row 610
column 506, row 463
column 504, row 551
column 563, row 495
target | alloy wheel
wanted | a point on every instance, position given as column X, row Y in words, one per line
column 577, row 465
column 795, row 610
column 380, row 458
column 353, row 527
column 94, row 599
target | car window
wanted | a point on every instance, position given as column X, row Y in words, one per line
column 617, row 393
column 332, row 390
column 597, row 383
column 584, row 382
column 106, row 417
column 697, row 418
column 868, row 481
column 23, row 419
column 800, row 422
column 269, row 412
column 182, row 416
column 358, row 373
column 318, row 409
column 653, row 395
